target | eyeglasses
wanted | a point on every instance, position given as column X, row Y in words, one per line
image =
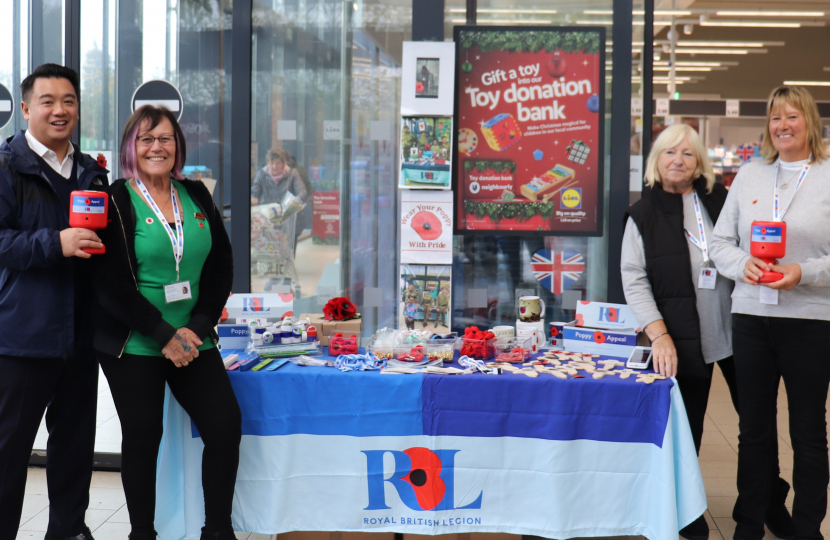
column 148, row 141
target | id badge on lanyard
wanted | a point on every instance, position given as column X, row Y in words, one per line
column 178, row 290
column 707, row 276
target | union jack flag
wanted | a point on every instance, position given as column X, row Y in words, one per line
column 557, row 271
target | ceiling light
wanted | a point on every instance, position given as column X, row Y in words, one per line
column 752, row 24
column 506, row 10
column 687, row 29
column 689, row 50
column 724, row 43
column 500, row 21
column 692, row 63
column 679, row 68
column 728, row 13
column 807, row 83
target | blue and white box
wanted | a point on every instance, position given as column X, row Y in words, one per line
column 600, row 341
column 233, row 336
column 605, row 315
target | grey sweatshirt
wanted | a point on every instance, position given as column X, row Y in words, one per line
column 713, row 305
column 808, row 238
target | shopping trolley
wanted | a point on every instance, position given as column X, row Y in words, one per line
column 272, row 243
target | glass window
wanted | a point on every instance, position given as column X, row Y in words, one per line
column 184, row 42
column 326, row 91
column 501, row 264
column 27, row 44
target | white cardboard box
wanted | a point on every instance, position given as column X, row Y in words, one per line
column 604, row 315
column 618, row 343
column 271, row 306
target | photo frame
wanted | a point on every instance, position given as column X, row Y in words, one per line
column 426, row 152
column 431, row 287
column 428, row 78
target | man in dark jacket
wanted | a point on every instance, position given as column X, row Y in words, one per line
column 47, row 362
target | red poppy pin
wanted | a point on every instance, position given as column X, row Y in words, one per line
column 755, row 201
column 102, row 161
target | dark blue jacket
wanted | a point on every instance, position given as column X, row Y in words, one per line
column 37, row 283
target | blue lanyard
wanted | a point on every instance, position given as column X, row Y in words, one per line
column 702, row 244
column 776, row 216
column 177, row 238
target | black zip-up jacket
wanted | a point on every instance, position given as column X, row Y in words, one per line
column 37, row 283
column 121, row 309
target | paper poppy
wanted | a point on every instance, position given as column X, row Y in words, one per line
column 419, row 87
column 102, row 161
column 339, row 309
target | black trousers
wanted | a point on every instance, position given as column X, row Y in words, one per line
column 204, row 392
column 68, row 391
column 795, row 349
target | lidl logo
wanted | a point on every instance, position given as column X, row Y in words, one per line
column 424, row 479
column 572, row 198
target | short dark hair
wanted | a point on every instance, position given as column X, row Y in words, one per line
column 49, row 71
column 152, row 115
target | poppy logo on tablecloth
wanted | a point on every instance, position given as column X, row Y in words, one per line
column 424, row 479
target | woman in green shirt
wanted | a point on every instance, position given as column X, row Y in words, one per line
column 161, row 288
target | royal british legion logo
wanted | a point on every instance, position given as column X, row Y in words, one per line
column 424, row 479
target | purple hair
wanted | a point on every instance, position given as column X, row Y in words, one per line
column 152, row 115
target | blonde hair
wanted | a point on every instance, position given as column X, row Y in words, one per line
column 671, row 137
column 800, row 99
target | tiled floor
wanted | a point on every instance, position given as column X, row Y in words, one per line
column 107, row 515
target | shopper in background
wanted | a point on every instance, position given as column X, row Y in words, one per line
column 781, row 329
column 47, row 362
column 276, row 178
column 674, row 290
column 161, row 288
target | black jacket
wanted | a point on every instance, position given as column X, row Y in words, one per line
column 37, row 283
column 669, row 267
column 122, row 309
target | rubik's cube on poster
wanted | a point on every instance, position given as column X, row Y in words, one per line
column 501, row 131
column 578, row 152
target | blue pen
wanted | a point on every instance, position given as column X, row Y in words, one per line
column 247, row 365
column 278, row 364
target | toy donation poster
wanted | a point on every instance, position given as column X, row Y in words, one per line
column 530, row 117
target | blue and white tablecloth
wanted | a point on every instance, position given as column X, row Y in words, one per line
column 430, row 454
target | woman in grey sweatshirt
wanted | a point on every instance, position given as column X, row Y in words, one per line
column 781, row 328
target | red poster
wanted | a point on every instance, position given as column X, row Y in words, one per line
column 529, row 112
column 325, row 220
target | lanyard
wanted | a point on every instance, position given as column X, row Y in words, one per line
column 702, row 243
column 177, row 238
column 779, row 216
